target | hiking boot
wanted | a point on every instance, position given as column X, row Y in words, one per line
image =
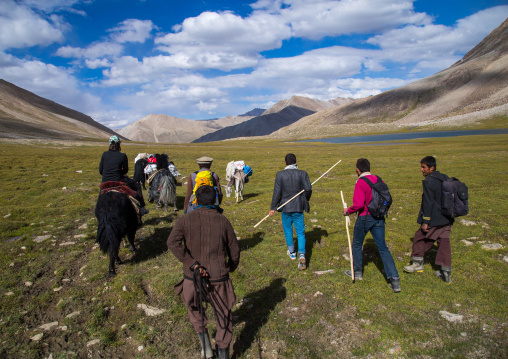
column 292, row 255
column 301, row 262
column 143, row 211
column 204, row 339
column 223, row 353
column 395, row 284
column 358, row 275
column 445, row 275
column 416, row 266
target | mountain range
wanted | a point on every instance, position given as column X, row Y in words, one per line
column 471, row 90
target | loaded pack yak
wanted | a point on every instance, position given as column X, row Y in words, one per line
column 162, row 184
column 116, row 218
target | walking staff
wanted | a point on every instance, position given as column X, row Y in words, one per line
column 296, row 195
column 348, row 220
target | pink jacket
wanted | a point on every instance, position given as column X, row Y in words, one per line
column 362, row 196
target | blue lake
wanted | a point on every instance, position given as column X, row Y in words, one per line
column 408, row 136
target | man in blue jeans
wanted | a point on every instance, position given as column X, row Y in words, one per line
column 365, row 223
column 288, row 183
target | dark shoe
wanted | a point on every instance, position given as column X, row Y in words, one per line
column 416, row 266
column 358, row 275
column 223, row 353
column 143, row 211
column 204, row 339
column 445, row 275
column 395, row 284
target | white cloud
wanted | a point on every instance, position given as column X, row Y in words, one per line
column 97, row 63
column 132, row 30
column 20, row 27
column 315, row 19
column 438, row 46
column 94, row 51
column 223, row 40
column 48, row 81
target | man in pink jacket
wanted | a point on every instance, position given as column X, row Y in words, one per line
column 365, row 223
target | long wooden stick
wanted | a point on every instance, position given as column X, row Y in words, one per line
column 348, row 238
column 296, row 195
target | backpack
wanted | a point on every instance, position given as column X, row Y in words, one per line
column 381, row 198
column 203, row 178
column 454, row 198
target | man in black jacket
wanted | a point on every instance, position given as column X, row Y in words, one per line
column 288, row 183
column 434, row 226
column 114, row 167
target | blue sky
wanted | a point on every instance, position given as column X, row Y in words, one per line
column 120, row 60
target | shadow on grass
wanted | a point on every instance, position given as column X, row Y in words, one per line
column 247, row 196
column 312, row 238
column 255, row 312
column 152, row 247
column 249, row 243
column 370, row 254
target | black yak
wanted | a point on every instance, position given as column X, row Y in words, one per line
column 116, row 219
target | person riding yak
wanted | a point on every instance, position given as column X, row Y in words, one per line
column 113, row 167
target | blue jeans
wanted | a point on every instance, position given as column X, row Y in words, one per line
column 376, row 227
column 296, row 218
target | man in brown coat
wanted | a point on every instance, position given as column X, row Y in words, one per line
column 204, row 240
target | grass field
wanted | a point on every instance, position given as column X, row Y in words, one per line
column 52, row 271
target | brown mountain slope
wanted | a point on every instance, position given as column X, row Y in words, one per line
column 23, row 114
column 475, row 87
column 168, row 129
column 307, row 103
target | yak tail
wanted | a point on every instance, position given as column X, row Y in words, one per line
column 107, row 234
column 167, row 191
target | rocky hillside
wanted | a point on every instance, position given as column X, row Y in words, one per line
column 258, row 126
column 307, row 103
column 168, row 129
column 280, row 115
column 474, row 88
column 23, row 115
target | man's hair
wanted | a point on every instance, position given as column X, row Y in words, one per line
column 363, row 165
column 290, row 159
column 429, row 161
column 205, row 195
column 114, row 146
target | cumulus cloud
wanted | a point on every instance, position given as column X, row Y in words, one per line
column 93, row 51
column 438, row 46
column 20, row 27
column 132, row 30
column 316, row 19
column 224, row 40
column 48, row 81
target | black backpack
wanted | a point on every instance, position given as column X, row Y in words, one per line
column 381, row 198
column 454, row 198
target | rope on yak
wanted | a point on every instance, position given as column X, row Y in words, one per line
column 296, row 195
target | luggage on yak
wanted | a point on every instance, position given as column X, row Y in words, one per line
column 381, row 198
column 248, row 172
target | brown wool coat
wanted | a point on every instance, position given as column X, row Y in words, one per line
column 207, row 237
